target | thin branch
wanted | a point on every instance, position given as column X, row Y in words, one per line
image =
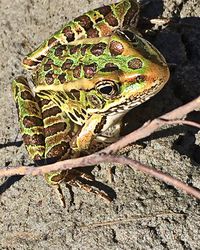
column 149, row 127
column 172, row 117
column 130, row 219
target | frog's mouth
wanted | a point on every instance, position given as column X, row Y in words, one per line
column 134, row 100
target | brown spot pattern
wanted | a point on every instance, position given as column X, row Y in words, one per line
column 58, row 150
column 34, row 139
column 75, row 93
column 74, row 49
column 84, row 48
column 67, row 64
column 69, row 34
column 135, row 63
column 116, row 48
column 84, row 21
column 49, row 78
column 52, row 41
column 26, row 95
column 59, row 50
column 32, row 121
column 92, row 33
column 104, row 10
column 47, row 67
column 62, row 78
column 89, row 70
column 109, row 67
column 111, row 19
column 98, row 49
column 55, row 128
column 51, row 112
column 77, row 71
column 29, row 62
column 44, row 102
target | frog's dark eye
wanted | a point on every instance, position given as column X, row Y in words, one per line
column 107, row 88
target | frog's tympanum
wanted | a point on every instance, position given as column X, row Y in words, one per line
column 86, row 77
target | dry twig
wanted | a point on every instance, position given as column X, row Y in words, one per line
column 105, row 155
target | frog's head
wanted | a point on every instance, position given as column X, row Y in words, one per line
column 109, row 75
column 126, row 72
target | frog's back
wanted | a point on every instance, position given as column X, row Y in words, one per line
column 100, row 22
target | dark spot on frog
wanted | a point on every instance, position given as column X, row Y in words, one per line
column 99, row 19
column 100, row 125
column 26, row 95
column 59, row 150
column 62, row 78
column 135, row 63
column 67, row 31
column 84, row 48
column 74, row 49
column 59, row 50
column 51, row 112
column 79, row 115
column 44, row 102
column 77, row 71
column 104, row 10
column 98, row 49
column 84, row 21
column 72, row 117
column 111, row 19
column 49, row 77
column 55, row 128
column 89, row 70
column 116, row 48
column 110, row 67
column 67, row 64
column 40, row 58
column 83, row 111
column 92, row 33
column 47, row 67
column 33, row 139
column 74, row 94
column 52, row 41
column 32, row 121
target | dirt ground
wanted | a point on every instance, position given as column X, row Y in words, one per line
column 146, row 214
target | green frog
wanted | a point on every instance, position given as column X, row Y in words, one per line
column 86, row 77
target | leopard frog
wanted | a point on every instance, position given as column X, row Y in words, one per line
column 86, row 77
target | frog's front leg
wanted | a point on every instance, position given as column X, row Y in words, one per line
column 30, row 119
column 87, row 134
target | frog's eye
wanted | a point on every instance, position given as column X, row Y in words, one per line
column 107, row 88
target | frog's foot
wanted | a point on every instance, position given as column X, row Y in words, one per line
column 54, row 179
column 59, row 192
column 78, row 178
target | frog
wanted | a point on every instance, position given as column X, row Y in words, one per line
column 85, row 77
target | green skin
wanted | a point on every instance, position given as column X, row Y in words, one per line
column 83, row 87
